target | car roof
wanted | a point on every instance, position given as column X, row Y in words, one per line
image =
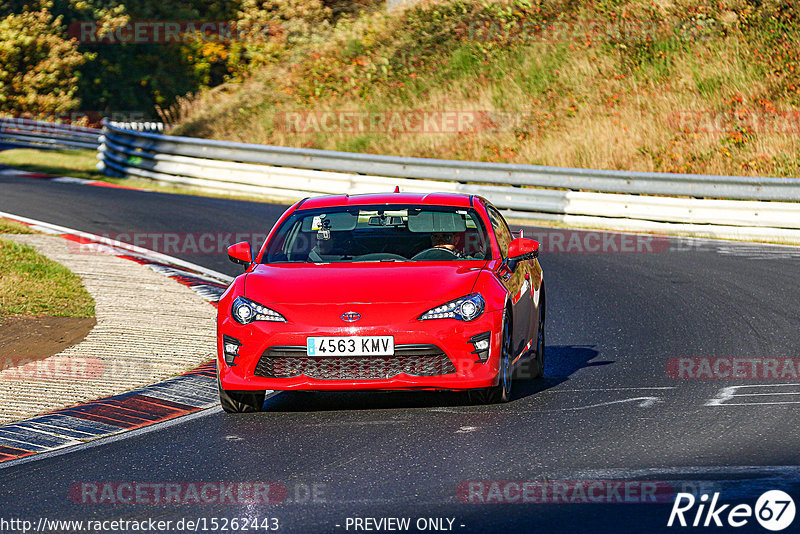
column 425, row 199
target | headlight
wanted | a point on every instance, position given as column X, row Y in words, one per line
column 246, row 311
column 464, row 309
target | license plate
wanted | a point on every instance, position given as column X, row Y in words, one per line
column 350, row 346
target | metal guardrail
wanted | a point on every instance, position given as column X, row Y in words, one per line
column 644, row 183
column 753, row 207
column 719, row 206
column 27, row 133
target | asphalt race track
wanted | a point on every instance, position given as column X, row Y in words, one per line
column 608, row 410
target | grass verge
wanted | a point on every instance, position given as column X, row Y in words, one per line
column 81, row 164
column 75, row 163
column 13, row 227
column 33, row 285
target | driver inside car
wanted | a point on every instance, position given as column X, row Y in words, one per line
column 445, row 240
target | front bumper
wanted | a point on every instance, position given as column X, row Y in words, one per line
column 449, row 335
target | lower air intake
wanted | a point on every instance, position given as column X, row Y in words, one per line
column 413, row 360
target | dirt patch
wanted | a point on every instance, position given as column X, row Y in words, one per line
column 23, row 339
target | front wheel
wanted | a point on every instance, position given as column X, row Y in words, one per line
column 502, row 391
column 241, row 401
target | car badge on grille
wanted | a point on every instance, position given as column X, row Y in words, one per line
column 351, row 316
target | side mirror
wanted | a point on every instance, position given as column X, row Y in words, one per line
column 521, row 249
column 241, row 253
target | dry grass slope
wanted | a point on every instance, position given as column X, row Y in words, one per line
column 676, row 86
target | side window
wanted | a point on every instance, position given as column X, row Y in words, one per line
column 501, row 230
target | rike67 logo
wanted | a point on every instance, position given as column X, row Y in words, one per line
column 774, row 510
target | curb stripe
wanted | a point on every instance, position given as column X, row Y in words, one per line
column 24, row 445
column 12, row 453
column 123, row 249
column 67, row 426
column 173, row 397
column 16, row 173
column 25, row 435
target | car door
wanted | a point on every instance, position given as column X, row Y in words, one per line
column 518, row 285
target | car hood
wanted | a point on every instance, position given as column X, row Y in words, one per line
column 361, row 283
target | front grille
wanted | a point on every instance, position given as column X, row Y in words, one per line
column 414, row 360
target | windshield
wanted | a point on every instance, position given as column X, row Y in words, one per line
column 379, row 233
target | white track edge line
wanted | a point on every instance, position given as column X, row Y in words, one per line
column 125, row 246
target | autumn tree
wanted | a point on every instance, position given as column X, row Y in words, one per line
column 38, row 65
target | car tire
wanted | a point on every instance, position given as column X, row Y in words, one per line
column 502, row 391
column 539, row 357
column 241, row 401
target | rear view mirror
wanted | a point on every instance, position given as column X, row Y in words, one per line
column 241, row 253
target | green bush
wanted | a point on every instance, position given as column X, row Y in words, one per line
column 38, row 71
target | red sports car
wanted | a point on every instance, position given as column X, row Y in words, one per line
column 395, row 291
